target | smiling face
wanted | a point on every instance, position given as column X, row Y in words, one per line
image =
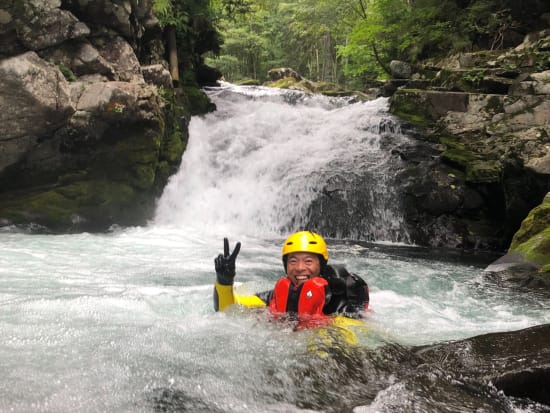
column 302, row 266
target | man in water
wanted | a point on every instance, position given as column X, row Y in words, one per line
column 311, row 291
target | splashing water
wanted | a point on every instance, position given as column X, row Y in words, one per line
column 124, row 322
column 257, row 163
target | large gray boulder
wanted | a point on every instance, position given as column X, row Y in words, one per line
column 34, row 101
column 86, row 143
column 42, row 24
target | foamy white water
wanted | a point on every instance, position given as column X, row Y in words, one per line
column 255, row 165
column 112, row 322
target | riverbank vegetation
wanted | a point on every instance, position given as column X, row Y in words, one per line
column 352, row 42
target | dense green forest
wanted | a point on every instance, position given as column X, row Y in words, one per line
column 349, row 42
column 352, row 41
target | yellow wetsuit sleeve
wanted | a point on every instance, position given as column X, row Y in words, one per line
column 224, row 297
column 249, row 301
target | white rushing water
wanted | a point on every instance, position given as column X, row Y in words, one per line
column 107, row 322
column 258, row 162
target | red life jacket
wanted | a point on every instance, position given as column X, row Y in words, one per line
column 310, row 297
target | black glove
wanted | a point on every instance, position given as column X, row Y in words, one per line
column 225, row 264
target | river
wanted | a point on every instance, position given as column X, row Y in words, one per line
column 123, row 321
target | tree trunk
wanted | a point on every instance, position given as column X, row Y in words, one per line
column 317, row 62
column 173, row 54
column 380, row 62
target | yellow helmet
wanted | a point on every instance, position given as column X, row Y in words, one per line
column 305, row 241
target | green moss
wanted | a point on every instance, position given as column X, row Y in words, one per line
column 163, row 172
column 283, row 83
column 60, row 207
column 483, row 171
column 412, row 107
column 459, row 157
column 50, row 208
column 248, row 82
column 96, row 192
column 451, row 141
column 174, row 146
column 196, row 101
column 130, row 160
column 537, row 221
column 142, row 149
column 532, row 240
column 536, row 249
column 175, row 135
column 475, row 169
column 67, row 73
column 144, row 176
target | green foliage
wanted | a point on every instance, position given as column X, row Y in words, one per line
column 230, row 9
column 474, row 77
column 171, row 13
column 67, row 73
column 227, row 64
column 351, row 41
column 486, row 20
column 302, row 34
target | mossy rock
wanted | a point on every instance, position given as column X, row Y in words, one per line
column 465, row 80
column 456, row 154
column 479, row 171
column 328, row 88
column 412, row 107
column 536, row 249
column 131, row 160
column 174, row 146
column 248, row 82
column 196, row 101
column 537, row 221
column 459, row 156
column 175, row 132
column 532, row 240
column 284, row 83
column 476, row 169
column 90, row 205
column 174, row 142
column 50, row 209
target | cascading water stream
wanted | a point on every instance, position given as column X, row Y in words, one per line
column 257, row 164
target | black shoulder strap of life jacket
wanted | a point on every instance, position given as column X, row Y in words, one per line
column 265, row 296
column 350, row 293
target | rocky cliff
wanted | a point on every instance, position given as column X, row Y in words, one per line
column 483, row 121
column 91, row 126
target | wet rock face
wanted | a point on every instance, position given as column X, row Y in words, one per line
column 465, row 376
column 492, row 373
column 42, row 24
column 36, row 102
column 527, row 262
column 128, row 18
column 517, row 363
column 487, row 116
column 283, row 72
column 86, row 142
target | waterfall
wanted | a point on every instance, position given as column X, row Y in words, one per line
column 271, row 160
